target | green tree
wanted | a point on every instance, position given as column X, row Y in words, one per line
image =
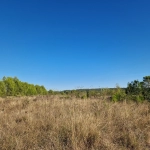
column 19, row 89
column 134, row 88
column 51, row 92
column 146, row 87
column 13, row 87
column 31, row 90
column 38, row 89
column 41, row 90
column 10, row 86
column 2, row 89
column 146, row 81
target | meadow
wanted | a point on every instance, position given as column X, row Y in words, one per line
column 54, row 123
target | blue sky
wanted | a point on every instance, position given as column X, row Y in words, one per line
column 74, row 44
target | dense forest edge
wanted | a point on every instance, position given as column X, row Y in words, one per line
column 138, row 91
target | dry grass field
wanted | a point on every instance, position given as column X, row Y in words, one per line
column 51, row 123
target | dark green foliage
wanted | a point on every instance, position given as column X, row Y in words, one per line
column 139, row 91
column 14, row 87
column 146, row 81
column 134, row 88
column 146, row 87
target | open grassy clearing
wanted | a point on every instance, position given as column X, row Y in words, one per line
column 51, row 123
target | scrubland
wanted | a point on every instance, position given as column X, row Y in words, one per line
column 51, row 123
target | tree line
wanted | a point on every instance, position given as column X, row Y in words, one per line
column 14, row 87
column 135, row 90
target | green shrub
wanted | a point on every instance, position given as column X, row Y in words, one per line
column 136, row 98
column 84, row 97
column 118, row 95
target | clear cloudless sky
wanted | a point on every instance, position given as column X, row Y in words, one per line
column 70, row 44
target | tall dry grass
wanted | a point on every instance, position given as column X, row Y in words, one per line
column 53, row 124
